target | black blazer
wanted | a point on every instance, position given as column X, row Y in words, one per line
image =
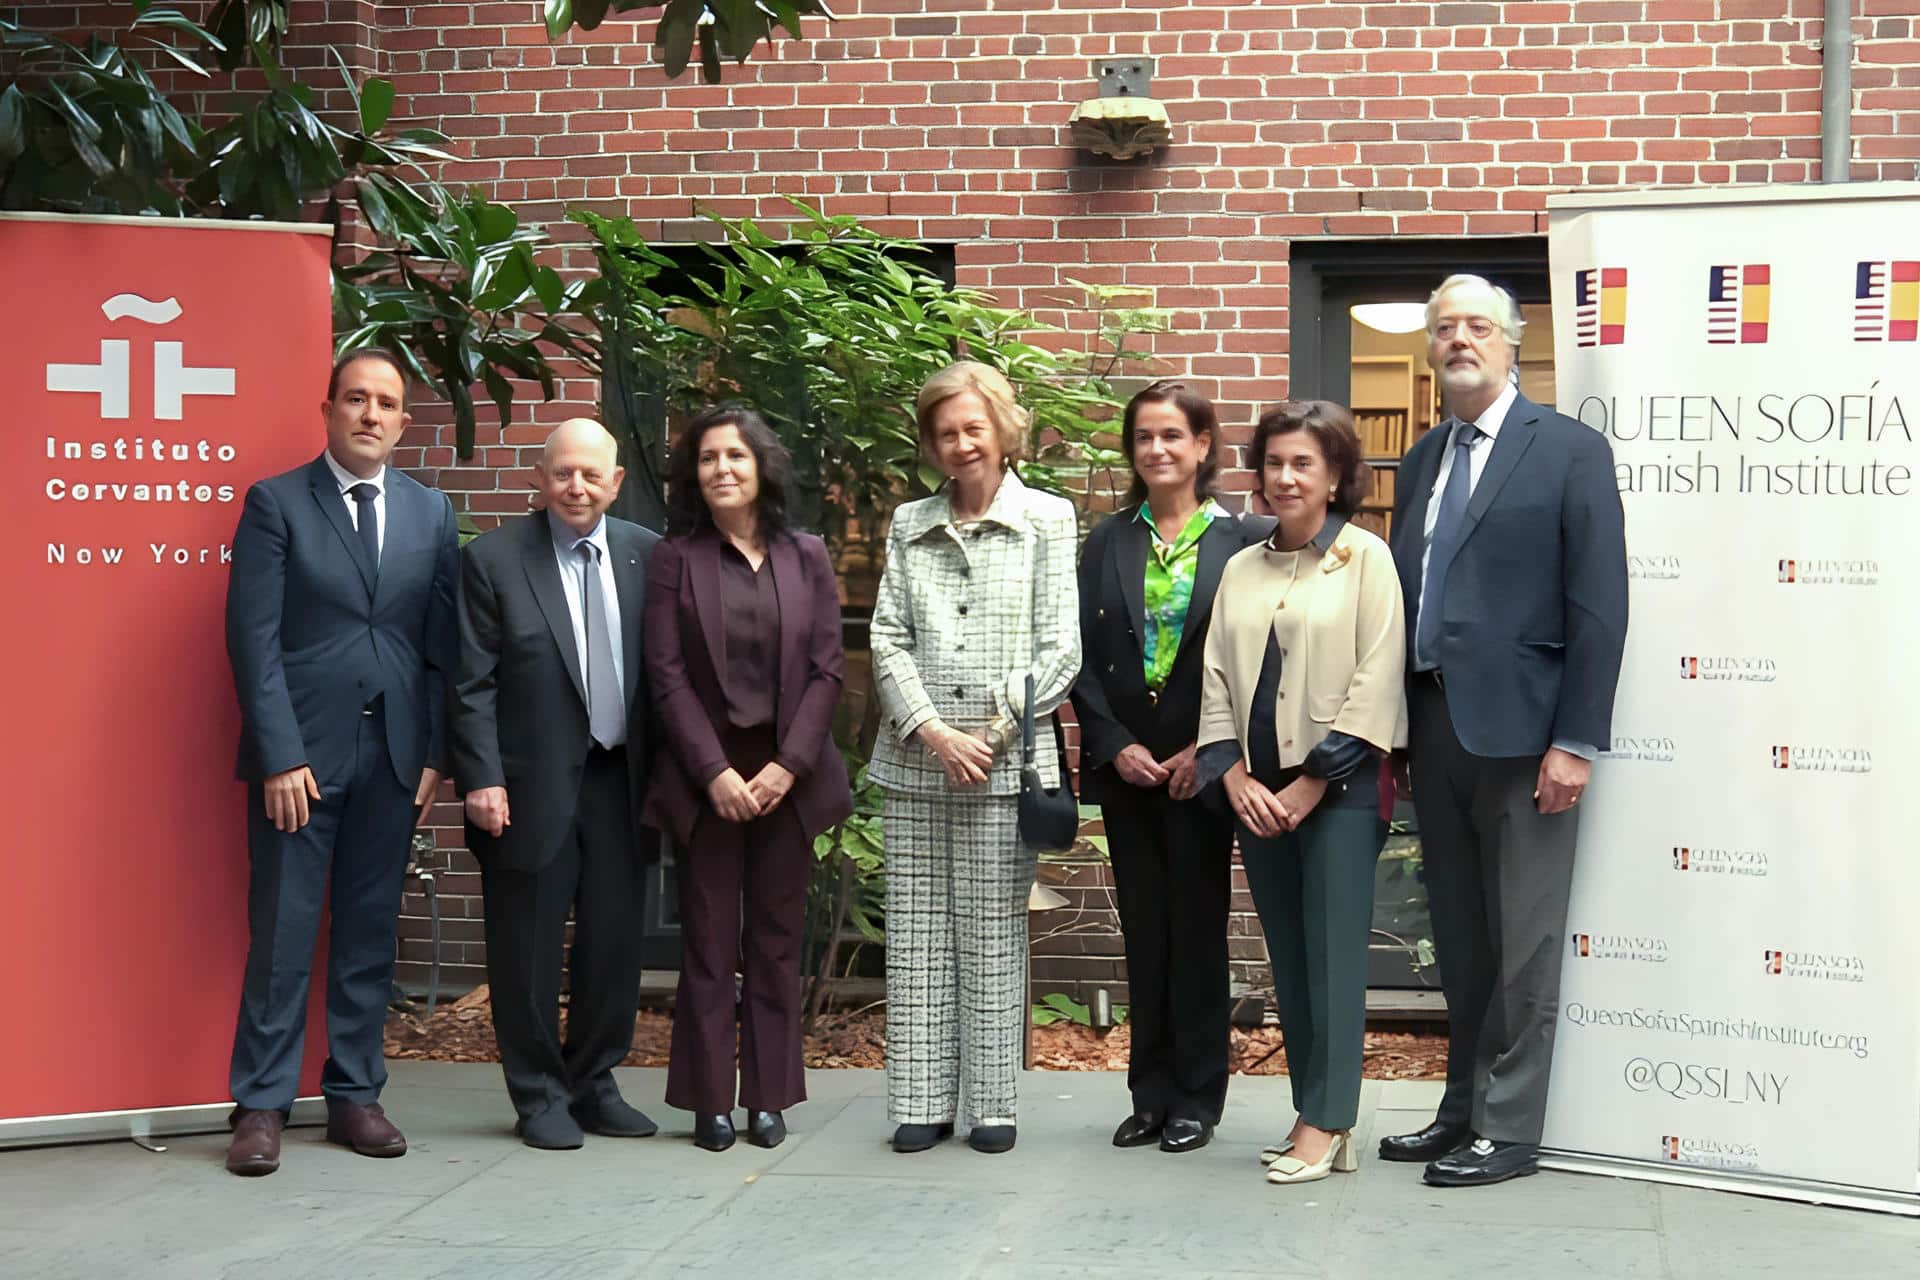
column 1111, row 699
column 519, row 703
column 1535, row 615
column 315, row 631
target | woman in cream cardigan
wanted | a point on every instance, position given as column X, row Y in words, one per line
column 1303, row 691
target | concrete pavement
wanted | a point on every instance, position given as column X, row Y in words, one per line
column 469, row 1202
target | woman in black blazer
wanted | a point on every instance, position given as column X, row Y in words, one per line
column 1147, row 578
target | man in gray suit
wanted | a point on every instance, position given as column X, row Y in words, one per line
column 1511, row 548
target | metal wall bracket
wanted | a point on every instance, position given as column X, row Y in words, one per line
column 1130, row 77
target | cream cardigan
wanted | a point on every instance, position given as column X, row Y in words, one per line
column 1341, row 625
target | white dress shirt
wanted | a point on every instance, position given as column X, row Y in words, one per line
column 573, row 580
column 346, row 480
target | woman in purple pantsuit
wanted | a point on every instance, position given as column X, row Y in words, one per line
column 742, row 641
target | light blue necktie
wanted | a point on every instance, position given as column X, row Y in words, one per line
column 1447, row 527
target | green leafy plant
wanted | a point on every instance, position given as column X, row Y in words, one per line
column 829, row 333
column 1056, row 1006
column 846, row 895
column 709, row 29
column 451, row 281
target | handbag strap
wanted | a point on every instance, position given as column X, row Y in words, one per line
column 1027, row 745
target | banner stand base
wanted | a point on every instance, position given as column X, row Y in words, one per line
column 1753, row 1184
column 153, row 1122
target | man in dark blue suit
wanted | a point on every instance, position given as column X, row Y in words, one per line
column 1509, row 537
column 341, row 630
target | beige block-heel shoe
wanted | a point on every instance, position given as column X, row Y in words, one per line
column 1340, row 1157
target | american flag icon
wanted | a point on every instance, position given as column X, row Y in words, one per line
column 1738, row 299
column 1886, row 302
column 1600, row 306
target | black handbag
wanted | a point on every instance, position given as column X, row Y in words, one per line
column 1049, row 819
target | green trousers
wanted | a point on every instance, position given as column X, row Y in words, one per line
column 1313, row 889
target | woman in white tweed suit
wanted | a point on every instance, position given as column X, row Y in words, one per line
column 978, row 592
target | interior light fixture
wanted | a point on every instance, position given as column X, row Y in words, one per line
column 1391, row 317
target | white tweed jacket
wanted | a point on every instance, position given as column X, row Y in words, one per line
column 961, row 618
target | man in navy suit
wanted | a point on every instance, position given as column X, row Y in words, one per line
column 341, row 631
column 1510, row 542
column 552, row 754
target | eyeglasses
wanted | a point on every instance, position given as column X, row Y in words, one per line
column 1479, row 326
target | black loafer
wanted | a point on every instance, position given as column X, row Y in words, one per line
column 713, row 1133
column 552, row 1130
column 1484, row 1163
column 1141, row 1129
column 613, row 1117
column 921, row 1137
column 1430, row 1143
column 1185, row 1134
column 766, row 1129
column 991, row 1139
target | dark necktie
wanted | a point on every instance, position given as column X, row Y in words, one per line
column 369, row 522
column 606, row 716
column 1447, row 527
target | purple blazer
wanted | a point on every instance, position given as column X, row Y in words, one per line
column 683, row 640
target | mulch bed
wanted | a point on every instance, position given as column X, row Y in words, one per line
column 463, row 1032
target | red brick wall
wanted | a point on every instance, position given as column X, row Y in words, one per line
column 947, row 122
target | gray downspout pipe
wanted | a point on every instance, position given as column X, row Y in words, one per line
column 1836, row 92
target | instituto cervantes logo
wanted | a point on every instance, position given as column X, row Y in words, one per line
column 1719, row 862
column 1637, row 948
column 1801, row 759
column 1818, row 966
column 1828, row 572
column 1710, row 1153
column 1654, row 568
column 1738, row 670
column 1643, row 750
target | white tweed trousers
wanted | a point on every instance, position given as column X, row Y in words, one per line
column 957, row 882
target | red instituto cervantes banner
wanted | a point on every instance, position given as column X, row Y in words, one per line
column 154, row 369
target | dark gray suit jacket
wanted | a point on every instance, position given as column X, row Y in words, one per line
column 1534, row 617
column 519, row 701
column 1111, row 699
column 315, row 632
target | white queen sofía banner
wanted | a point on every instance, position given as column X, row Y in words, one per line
column 1741, row 990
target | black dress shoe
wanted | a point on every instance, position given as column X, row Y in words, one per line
column 766, row 1129
column 713, row 1133
column 1185, row 1134
column 611, row 1116
column 920, row 1137
column 1483, row 1163
column 552, row 1130
column 1430, row 1143
column 991, row 1139
column 1141, row 1129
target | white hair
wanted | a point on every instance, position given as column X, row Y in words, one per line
column 581, row 429
column 1506, row 312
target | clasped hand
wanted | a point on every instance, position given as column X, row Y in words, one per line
column 737, row 799
column 965, row 758
column 1136, row 765
column 1265, row 812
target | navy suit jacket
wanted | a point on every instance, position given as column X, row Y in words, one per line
column 1111, row 699
column 1534, row 614
column 315, row 632
column 520, row 717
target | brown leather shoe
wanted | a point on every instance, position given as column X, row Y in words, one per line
column 255, row 1149
column 364, row 1127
